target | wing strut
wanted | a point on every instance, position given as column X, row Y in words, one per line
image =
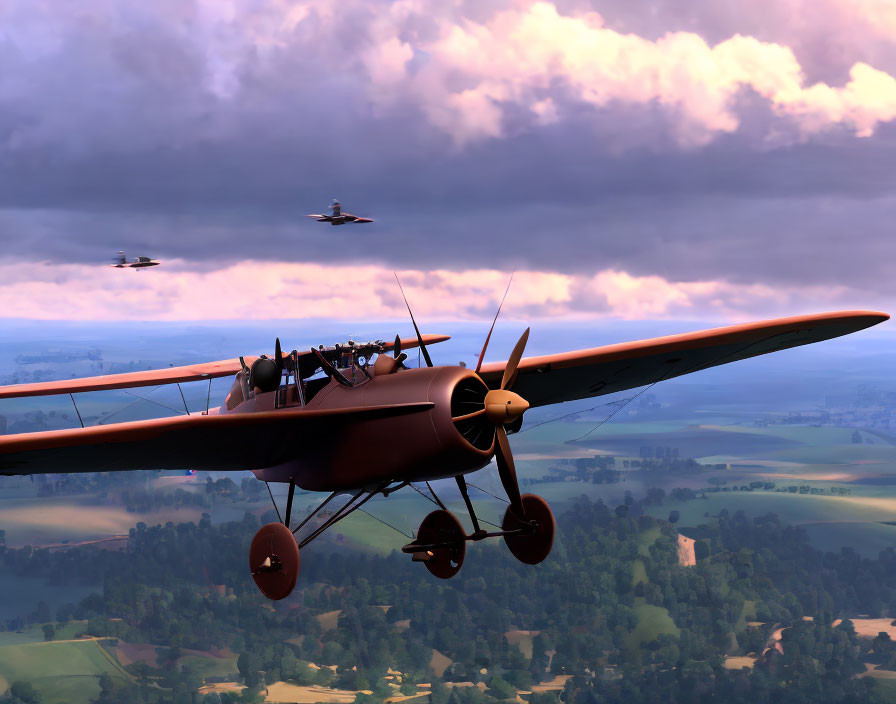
column 349, row 508
column 72, row 397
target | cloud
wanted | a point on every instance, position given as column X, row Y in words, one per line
column 122, row 78
column 258, row 290
column 691, row 145
column 525, row 55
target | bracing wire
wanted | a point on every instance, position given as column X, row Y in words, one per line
column 398, row 530
column 425, row 496
column 567, row 415
column 488, row 492
column 627, row 401
column 696, row 367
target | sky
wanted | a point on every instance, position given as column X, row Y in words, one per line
column 631, row 159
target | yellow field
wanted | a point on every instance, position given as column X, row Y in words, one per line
column 738, row 661
column 523, row 640
column 686, row 556
column 870, row 627
column 872, row 671
column 330, row 620
column 295, row 694
column 439, row 663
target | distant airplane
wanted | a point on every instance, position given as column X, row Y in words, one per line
column 121, row 262
column 337, row 217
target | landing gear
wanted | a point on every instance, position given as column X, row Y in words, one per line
column 274, row 553
column 530, row 538
column 274, row 561
column 441, row 540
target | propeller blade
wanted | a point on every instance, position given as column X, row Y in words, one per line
column 396, row 350
column 416, row 329
column 507, row 471
column 491, row 329
column 278, row 354
column 514, row 360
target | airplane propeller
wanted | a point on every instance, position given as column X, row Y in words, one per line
column 278, row 354
column 503, row 407
column 397, row 354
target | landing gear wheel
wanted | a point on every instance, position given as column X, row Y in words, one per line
column 442, row 528
column 535, row 544
column 274, row 561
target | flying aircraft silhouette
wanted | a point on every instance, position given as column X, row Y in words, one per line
column 351, row 419
column 337, row 217
column 121, row 262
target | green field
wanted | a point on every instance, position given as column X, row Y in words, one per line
column 747, row 613
column 884, row 691
column 792, row 508
column 867, row 539
column 35, row 634
column 652, row 621
column 62, row 672
column 209, row 666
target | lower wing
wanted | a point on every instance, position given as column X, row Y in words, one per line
column 233, row 441
column 605, row 370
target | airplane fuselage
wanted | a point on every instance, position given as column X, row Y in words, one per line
column 419, row 446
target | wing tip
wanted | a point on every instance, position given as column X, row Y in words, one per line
column 865, row 318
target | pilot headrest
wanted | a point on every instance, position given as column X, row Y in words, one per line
column 265, row 374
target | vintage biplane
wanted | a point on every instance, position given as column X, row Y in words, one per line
column 352, row 420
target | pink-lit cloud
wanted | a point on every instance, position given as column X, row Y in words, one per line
column 519, row 56
column 465, row 68
column 266, row 290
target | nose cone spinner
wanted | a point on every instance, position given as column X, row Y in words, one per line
column 503, row 406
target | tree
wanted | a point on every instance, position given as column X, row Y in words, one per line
column 674, row 515
column 701, row 550
column 500, row 688
column 249, row 663
column 25, row 692
column 439, row 692
column 49, row 632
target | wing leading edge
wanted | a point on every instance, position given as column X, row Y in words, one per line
column 605, row 370
column 233, row 441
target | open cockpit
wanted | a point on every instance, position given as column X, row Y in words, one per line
column 294, row 379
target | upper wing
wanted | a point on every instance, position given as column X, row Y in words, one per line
column 604, row 370
column 232, row 441
column 152, row 377
column 171, row 375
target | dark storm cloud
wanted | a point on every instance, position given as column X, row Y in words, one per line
column 174, row 135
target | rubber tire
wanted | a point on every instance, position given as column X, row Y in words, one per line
column 275, row 539
column 443, row 527
column 534, row 547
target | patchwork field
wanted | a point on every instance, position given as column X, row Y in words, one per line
column 62, row 672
